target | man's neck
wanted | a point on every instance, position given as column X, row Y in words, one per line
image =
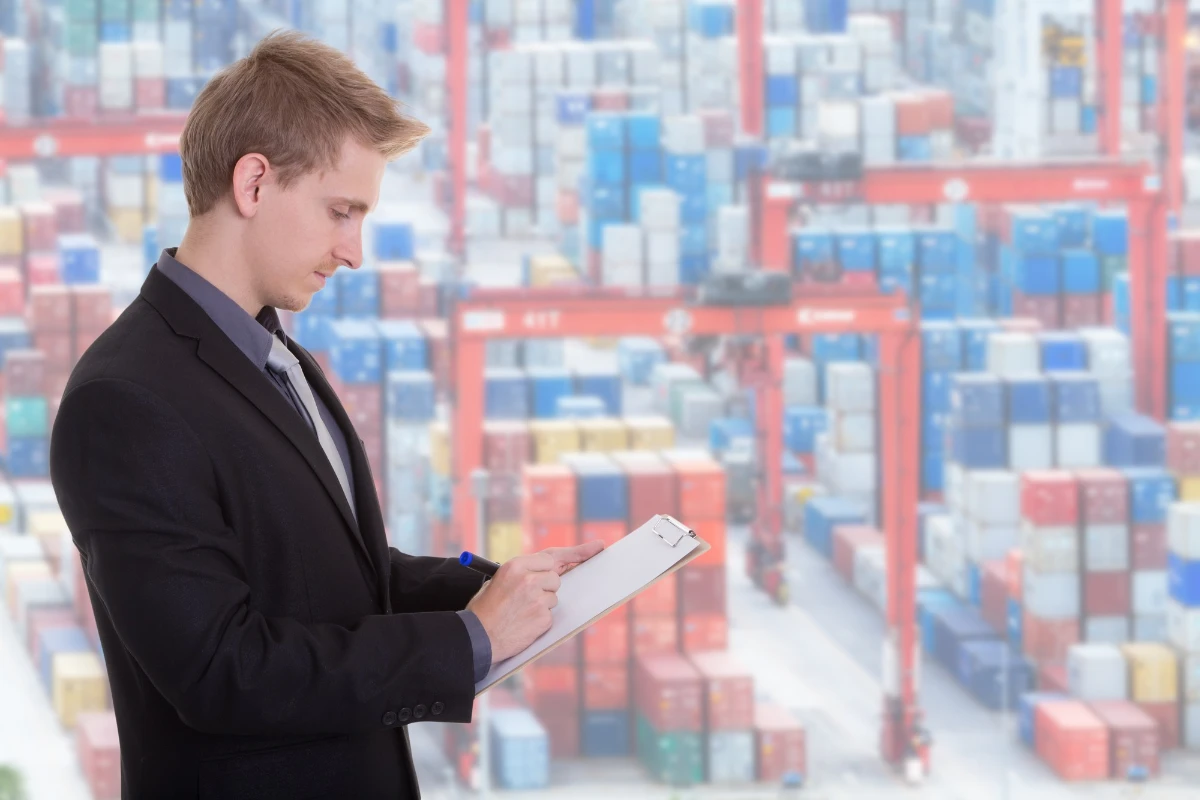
column 203, row 252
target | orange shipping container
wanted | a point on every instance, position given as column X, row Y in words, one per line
column 99, row 753
column 1167, row 717
column 1132, row 737
column 661, row 598
column 912, row 114
column 655, row 635
column 701, row 491
column 1072, row 740
column 1016, row 562
column 549, row 493
column 700, row 632
column 728, row 691
column 1048, row 639
column 609, row 532
column 779, row 743
column 543, row 681
column 606, row 686
column 607, row 641
column 712, row 530
column 540, row 535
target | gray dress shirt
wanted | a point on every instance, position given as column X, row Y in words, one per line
column 252, row 335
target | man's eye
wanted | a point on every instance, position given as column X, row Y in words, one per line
column 340, row 215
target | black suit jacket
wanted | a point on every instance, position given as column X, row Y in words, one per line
column 259, row 642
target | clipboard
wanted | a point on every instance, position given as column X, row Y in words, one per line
column 606, row 581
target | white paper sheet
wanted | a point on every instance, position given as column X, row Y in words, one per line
column 606, row 581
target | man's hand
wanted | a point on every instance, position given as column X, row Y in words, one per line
column 514, row 607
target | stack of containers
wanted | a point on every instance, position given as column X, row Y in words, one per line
column 16, row 80
column 686, row 164
column 710, row 70
column 1105, row 540
column 669, row 698
column 99, row 747
column 845, row 454
column 1184, row 355
column 357, row 359
column 703, row 624
column 728, row 702
column 1051, row 589
column 941, row 357
column 520, row 748
column 1183, row 610
column 1155, row 687
column 1072, row 740
column 1152, row 490
column 125, row 196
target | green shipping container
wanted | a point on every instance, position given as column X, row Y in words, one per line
column 679, row 390
column 82, row 10
column 114, row 10
column 27, row 416
column 82, row 39
column 673, row 758
column 1110, row 268
column 146, row 10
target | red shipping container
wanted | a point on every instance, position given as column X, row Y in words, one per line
column 606, row 686
column 429, row 37
column 56, row 381
column 702, row 590
column 12, row 292
column 941, row 109
column 994, row 594
column 668, row 692
column 607, row 531
column 436, row 337
column 1104, row 497
column 549, row 491
column 82, row 341
column 1019, row 325
column 99, row 749
column 516, row 191
column 1072, row 740
column 779, row 744
column 714, row 531
column 1016, row 571
column 1132, row 737
column 44, row 618
column 846, row 541
column 79, row 102
column 149, row 94
column 541, row 535
column 1185, row 252
column 655, row 635
column 700, row 632
column 550, row 680
column 58, row 348
column 506, row 446
column 728, row 691
column 859, row 280
column 1080, row 310
column 1049, row 497
column 1148, row 546
column 661, row 598
column 49, row 309
column 91, row 307
column 40, row 227
column 562, row 727
column 701, row 491
column 1108, row 314
column 606, row 641
column 25, row 373
column 1043, row 308
column 364, row 404
column 504, row 498
column 1106, row 594
column 41, row 269
column 563, row 655
column 1053, row 678
column 718, row 128
column 568, row 207
column 913, row 114
column 1048, row 639
column 1167, row 717
column 1183, row 447
column 653, row 486
column 610, row 100
column 69, row 211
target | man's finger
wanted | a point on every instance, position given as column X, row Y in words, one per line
column 566, row 557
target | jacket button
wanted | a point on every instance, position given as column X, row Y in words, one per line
column 405, row 714
column 418, row 711
column 438, row 708
column 389, row 718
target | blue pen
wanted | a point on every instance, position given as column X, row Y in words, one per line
column 478, row 563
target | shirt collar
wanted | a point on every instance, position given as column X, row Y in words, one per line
column 252, row 335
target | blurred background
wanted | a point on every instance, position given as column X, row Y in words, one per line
column 894, row 302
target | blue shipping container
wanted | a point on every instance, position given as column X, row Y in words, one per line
column 1133, row 440
column 548, row 386
column 977, row 400
column 505, row 393
column 1184, row 580
column 1151, row 492
column 1076, row 397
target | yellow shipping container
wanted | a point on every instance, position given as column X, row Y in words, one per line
column 41, row 522
column 650, row 433
column 21, row 570
column 552, row 438
column 1153, row 672
column 603, row 434
column 1189, row 488
column 12, row 232
column 546, row 270
column 504, row 541
column 80, row 686
column 8, row 510
column 128, row 223
column 151, row 197
column 439, row 448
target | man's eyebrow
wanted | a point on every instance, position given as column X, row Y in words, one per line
column 356, row 205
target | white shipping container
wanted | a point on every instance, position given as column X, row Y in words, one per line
column 581, row 66
column 683, row 135
column 1150, row 628
column 838, row 120
column 1030, row 447
column 870, row 575
column 662, row 247
column 1183, row 626
column 1106, row 548
column 718, row 164
column 662, row 274
column 147, row 60
column 658, row 209
column 1050, row 549
column 878, row 117
column 644, row 63
column 853, row 432
column 1012, row 353
column 850, row 386
column 944, row 553
column 177, row 48
column 1109, row 630
column 622, row 244
column 1116, row 394
column 1108, row 352
column 1097, row 672
column 1053, row 595
column 572, row 144
column 993, row 497
column 779, row 56
column 628, row 276
column 1077, row 445
column 853, row 473
column 799, row 382
column 990, row 542
column 1066, row 116
column 518, row 222
column 1183, row 530
column 733, row 232
column 513, row 160
column 1189, row 677
column 1148, row 589
column 124, row 191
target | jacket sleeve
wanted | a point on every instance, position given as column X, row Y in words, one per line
column 142, row 500
column 421, row 583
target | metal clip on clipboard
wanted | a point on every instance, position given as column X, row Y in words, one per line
column 672, row 537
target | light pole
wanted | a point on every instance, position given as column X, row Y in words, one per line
column 479, row 489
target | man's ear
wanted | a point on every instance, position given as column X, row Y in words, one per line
column 249, row 175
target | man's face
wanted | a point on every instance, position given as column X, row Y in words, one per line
column 302, row 234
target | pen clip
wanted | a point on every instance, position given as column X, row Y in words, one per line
column 672, row 537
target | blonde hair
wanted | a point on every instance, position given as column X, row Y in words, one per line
column 294, row 100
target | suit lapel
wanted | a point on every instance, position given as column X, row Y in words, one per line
column 216, row 350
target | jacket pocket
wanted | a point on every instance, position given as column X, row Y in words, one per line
column 307, row 771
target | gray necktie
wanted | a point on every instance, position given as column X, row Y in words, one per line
column 282, row 361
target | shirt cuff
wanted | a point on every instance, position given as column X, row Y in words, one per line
column 481, row 645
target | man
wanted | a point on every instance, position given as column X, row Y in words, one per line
column 261, row 638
